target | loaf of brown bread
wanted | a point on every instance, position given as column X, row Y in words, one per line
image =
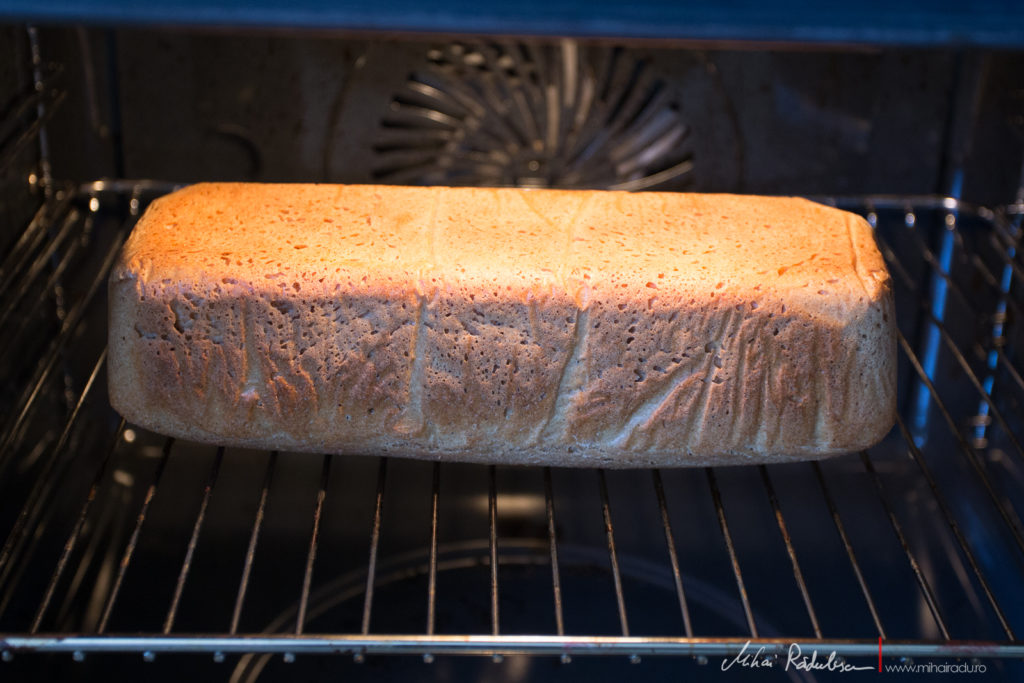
column 504, row 326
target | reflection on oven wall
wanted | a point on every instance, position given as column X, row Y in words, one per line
column 551, row 113
column 16, row 205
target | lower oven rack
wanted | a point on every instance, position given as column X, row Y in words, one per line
column 93, row 508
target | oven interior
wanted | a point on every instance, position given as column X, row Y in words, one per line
column 129, row 553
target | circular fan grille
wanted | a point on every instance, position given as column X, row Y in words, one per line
column 513, row 114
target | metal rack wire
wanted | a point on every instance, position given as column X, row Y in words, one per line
column 950, row 470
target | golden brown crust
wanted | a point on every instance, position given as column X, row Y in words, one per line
column 513, row 326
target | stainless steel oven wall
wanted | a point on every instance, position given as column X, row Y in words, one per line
column 18, row 199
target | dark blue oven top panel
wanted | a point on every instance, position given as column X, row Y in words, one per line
column 989, row 23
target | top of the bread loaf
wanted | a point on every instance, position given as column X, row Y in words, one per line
column 521, row 243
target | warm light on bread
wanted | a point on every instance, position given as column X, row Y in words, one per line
column 508, row 326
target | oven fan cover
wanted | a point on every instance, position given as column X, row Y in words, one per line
column 563, row 115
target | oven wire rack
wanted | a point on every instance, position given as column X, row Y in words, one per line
column 981, row 418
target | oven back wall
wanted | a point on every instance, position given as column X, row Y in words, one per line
column 189, row 106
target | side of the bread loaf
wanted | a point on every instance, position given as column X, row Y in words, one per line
column 565, row 328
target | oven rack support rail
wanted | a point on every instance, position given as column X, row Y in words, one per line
column 485, row 645
column 72, row 208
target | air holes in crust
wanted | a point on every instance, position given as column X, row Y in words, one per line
column 283, row 306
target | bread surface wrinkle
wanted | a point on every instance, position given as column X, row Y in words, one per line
column 500, row 325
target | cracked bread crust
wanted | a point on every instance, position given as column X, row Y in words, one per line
column 572, row 328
